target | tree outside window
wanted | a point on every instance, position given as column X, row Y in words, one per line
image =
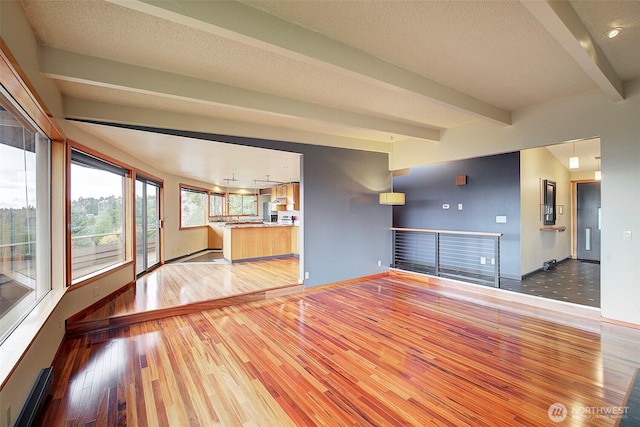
column 243, row 204
column 193, row 207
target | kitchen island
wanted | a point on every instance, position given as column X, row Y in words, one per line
column 243, row 242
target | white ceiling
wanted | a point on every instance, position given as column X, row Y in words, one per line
column 357, row 74
column 587, row 151
column 207, row 161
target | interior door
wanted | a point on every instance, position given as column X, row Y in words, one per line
column 147, row 225
column 588, row 220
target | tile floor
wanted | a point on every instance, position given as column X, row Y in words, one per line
column 571, row 280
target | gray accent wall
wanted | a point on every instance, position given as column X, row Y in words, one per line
column 492, row 189
column 345, row 232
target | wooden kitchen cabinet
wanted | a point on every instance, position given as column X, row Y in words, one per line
column 245, row 243
column 293, row 195
column 289, row 191
column 295, row 240
column 215, row 237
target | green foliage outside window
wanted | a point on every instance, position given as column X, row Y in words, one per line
column 242, row 204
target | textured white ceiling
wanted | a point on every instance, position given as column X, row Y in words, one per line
column 207, row 161
column 624, row 51
column 491, row 50
column 399, row 67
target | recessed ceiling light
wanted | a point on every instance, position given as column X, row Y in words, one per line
column 612, row 32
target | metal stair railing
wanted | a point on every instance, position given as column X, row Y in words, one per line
column 464, row 255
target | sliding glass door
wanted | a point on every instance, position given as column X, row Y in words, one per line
column 147, row 224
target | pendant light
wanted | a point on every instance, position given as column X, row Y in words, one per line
column 392, row 198
column 574, row 161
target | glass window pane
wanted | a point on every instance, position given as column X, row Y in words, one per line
column 249, row 204
column 25, row 273
column 216, row 203
column 153, row 231
column 192, row 207
column 97, row 219
column 235, row 204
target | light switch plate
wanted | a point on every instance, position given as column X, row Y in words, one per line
column 445, row 206
column 501, row 219
column 626, row 235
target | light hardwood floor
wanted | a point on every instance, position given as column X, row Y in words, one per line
column 181, row 288
column 378, row 351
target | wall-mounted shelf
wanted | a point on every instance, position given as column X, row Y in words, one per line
column 559, row 228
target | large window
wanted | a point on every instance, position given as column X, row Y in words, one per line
column 243, row 204
column 216, row 204
column 97, row 214
column 193, row 207
column 25, row 243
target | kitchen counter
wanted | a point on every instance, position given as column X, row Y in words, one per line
column 255, row 225
column 251, row 241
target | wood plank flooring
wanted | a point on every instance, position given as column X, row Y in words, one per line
column 371, row 352
column 181, row 288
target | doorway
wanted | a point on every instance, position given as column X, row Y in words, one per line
column 588, row 221
column 148, row 224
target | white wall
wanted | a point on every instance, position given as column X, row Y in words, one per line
column 587, row 115
column 538, row 246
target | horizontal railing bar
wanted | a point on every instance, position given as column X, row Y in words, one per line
column 445, row 232
column 87, row 236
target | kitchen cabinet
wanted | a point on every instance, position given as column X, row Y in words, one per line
column 215, row 236
column 289, row 191
column 295, row 239
column 255, row 242
column 293, row 195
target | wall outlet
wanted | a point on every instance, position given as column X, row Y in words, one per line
column 306, row 274
column 493, row 261
column 445, row 206
column 379, row 263
column 483, row 260
column 501, row 219
column 459, row 206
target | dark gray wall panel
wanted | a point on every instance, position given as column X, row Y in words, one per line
column 493, row 188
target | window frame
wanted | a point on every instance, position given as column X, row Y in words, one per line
column 127, row 198
column 243, row 195
column 214, row 195
column 42, row 281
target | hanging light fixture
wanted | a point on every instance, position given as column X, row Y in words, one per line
column 391, row 198
column 574, row 161
column 598, row 172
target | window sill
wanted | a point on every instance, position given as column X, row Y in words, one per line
column 90, row 278
column 17, row 344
